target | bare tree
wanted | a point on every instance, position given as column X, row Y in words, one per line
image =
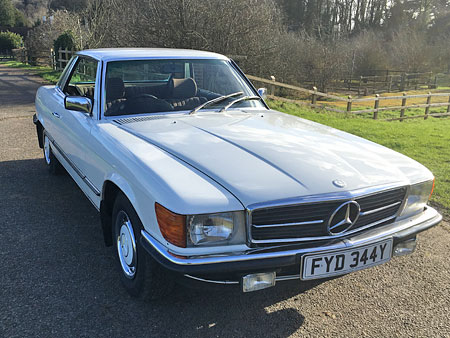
column 409, row 50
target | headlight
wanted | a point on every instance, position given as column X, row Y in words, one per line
column 417, row 198
column 216, row 228
column 206, row 229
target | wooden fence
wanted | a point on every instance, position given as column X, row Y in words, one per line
column 6, row 56
column 35, row 58
column 391, row 83
column 57, row 60
column 61, row 58
column 313, row 96
column 374, row 84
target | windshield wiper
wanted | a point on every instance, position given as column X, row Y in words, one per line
column 245, row 98
column 216, row 100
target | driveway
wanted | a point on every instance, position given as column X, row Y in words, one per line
column 57, row 278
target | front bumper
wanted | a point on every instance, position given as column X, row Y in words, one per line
column 277, row 258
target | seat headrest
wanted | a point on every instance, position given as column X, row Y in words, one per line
column 115, row 89
column 184, row 88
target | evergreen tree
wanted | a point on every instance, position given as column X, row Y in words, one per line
column 7, row 13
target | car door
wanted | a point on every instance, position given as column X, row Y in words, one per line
column 73, row 134
column 49, row 104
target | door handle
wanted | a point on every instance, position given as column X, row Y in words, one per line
column 55, row 114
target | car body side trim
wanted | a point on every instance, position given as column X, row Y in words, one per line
column 91, row 186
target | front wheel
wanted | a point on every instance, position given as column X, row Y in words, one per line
column 140, row 274
column 53, row 165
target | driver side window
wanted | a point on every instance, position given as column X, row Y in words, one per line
column 82, row 79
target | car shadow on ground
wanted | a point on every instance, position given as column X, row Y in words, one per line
column 60, row 267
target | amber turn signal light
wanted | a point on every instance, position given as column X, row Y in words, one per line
column 432, row 189
column 172, row 225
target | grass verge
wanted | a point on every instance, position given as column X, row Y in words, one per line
column 425, row 141
column 48, row 74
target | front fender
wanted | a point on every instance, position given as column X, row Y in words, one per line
column 123, row 185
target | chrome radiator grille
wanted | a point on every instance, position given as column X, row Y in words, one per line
column 309, row 221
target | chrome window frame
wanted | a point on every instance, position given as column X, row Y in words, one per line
column 65, row 73
column 102, row 94
column 95, row 113
column 338, row 196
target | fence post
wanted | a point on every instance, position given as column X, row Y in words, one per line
column 390, row 84
column 377, row 103
column 402, row 111
column 314, row 97
column 272, row 87
column 360, row 84
column 59, row 59
column 349, row 104
column 402, row 83
column 448, row 107
column 427, row 109
column 52, row 58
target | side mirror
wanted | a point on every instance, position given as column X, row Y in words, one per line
column 78, row 103
column 262, row 92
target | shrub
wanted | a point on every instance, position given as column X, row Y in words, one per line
column 65, row 41
column 9, row 41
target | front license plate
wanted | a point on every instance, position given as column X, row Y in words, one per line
column 341, row 262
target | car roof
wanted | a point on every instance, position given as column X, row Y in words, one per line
column 114, row 54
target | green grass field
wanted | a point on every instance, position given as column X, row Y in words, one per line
column 425, row 141
column 46, row 73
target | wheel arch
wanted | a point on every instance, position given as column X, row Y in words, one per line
column 39, row 131
column 111, row 187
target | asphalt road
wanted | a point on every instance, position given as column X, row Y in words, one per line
column 57, row 279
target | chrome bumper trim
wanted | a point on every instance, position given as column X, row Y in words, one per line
column 233, row 282
column 225, row 282
column 430, row 217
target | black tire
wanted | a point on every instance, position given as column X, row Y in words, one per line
column 141, row 275
column 53, row 165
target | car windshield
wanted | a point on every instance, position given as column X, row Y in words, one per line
column 154, row 86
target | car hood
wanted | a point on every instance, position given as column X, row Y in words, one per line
column 267, row 155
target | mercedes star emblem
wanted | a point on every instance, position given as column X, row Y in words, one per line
column 339, row 183
column 343, row 218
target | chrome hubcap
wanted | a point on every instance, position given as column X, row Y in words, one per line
column 126, row 245
column 46, row 149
